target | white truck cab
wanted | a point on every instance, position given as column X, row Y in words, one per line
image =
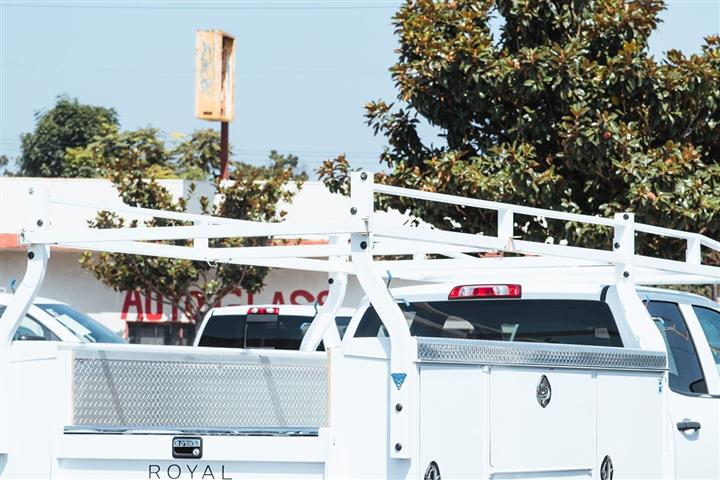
column 690, row 326
column 553, row 362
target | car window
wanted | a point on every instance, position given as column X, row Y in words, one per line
column 342, row 324
column 83, row 326
column 255, row 331
column 579, row 322
column 710, row 323
column 31, row 329
column 686, row 375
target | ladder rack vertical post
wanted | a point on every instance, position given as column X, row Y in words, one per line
column 37, row 208
column 200, row 243
column 645, row 333
column 624, row 245
column 693, row 251
column 324, row 326
column 505, row 226
column 403, row 379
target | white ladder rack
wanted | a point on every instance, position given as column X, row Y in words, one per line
column 385, row 239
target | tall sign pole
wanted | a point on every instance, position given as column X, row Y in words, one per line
column 215, row 85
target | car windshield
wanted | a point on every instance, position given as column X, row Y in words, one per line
column 85, row 328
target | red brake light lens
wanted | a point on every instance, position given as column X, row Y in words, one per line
column 263, row 311
column 485, row 291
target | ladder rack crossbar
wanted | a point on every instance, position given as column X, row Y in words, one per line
column 250, row 229
column 148, row 212
column 497, row 206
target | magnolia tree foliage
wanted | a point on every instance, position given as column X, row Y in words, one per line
column 134, row 162
column 565, row 109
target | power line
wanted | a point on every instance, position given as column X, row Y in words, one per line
column 249, row 5
column 189, row 72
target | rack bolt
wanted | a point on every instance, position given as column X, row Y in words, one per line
column 353, row 211
column 398, row 447
column 31, row 255
column 363, row 176
column 398, row 407
column 626, row 216
column 363, row 245
column 31, row 191
column 331, row 281
column 617, row 245
column 626, row 274
column 40, row 223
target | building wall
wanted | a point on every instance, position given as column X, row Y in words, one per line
column 68, row 282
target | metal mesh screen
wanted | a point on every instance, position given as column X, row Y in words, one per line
column 153, row 393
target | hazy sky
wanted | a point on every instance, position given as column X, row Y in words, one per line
column 304, row 68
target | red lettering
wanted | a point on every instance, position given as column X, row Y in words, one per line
column 277, row 299
column 309, row 299
column 322, row 296
column 157, row 316
column 132, row 298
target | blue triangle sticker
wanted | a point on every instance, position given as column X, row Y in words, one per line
column 398, row 378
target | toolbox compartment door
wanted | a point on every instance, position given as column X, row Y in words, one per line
column 528, row 437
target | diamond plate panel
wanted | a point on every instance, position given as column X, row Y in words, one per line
column 152, row 393
column 487, row 352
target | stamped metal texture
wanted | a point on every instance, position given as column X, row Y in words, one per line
column 486, row 352
column 244, row 392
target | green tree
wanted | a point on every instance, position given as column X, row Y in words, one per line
column 4, row 163
column 198, row 157
column 113, row 149
column 565, row 110
column 68, row 124
column 136, row 161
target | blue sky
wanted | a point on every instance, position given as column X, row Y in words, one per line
column 305, row 68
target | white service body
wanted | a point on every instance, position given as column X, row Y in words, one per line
column 390, row 404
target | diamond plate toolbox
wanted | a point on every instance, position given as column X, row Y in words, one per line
column 113, row 388
column 488, row 352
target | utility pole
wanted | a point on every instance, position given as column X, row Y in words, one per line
column 224, row 127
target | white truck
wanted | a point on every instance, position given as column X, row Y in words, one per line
column 549, row 363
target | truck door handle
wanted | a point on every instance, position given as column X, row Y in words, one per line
column 688, row 425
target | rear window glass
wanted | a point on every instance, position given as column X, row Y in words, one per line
column 283, row 332
column 578, row 322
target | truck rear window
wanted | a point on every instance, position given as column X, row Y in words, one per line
column 578, row 322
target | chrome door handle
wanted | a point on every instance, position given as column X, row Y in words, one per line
column 688, row 425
